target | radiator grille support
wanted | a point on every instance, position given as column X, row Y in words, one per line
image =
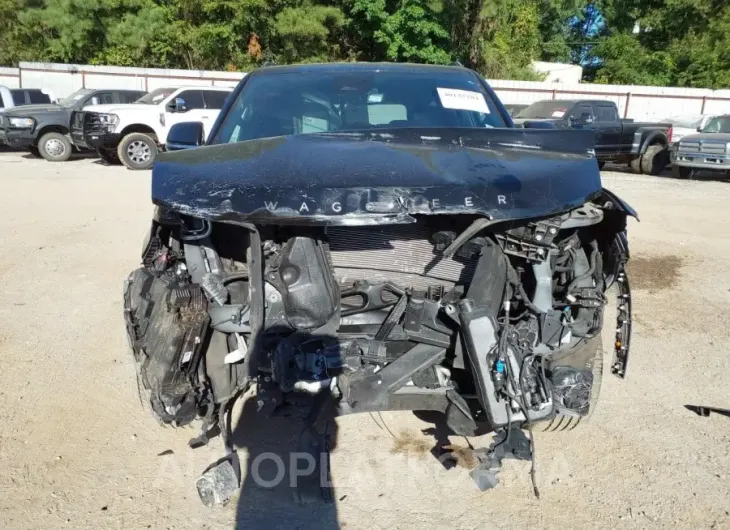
column 403, row 254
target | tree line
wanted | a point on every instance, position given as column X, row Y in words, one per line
column 643, row 42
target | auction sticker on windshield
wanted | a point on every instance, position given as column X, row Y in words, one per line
column 559, row 113
column 452, row 98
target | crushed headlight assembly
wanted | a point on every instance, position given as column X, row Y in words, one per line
column 21, row 123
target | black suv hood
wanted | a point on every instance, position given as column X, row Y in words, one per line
column 384, row 176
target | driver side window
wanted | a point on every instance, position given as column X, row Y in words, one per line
column 578, row 111
column 193, row 99
column 102, row 98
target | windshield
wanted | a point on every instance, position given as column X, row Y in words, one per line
column 545, row 110
column 721, row 124
column 283, row 104
column 156, row 96
column 69, row 101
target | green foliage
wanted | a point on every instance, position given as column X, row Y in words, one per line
column 305, row 33
column 75, row 30
column 413, row 33
column 501, row 38
column 10, row 38
column 625, row 62
column 680, row 42
column 514, row 43
column 240, row 34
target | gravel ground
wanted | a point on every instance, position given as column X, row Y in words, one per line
column 78, row 451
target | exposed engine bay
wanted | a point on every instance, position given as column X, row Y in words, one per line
column 495, row 324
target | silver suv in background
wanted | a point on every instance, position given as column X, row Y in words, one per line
column 687, row 124
column 707, row 150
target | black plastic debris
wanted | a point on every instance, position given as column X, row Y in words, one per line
column 508, row 443
column 705, row 411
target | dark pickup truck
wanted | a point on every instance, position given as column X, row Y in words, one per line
column 644, row 146
column 44, row 129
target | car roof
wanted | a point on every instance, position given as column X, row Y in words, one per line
column 358, row 67
column 574, row 101
column 196, row 87
column 117, row 89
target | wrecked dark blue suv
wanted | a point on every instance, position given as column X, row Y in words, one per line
column 368, row 237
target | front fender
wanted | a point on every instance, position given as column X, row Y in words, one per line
column 615, row 242
column 617, row 203
column 653, row 137
column 54, row 120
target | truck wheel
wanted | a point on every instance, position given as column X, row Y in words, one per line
column 137, row 151
column 55, row 147
column 654, row 160
column 635, row 165
column 679, row 172
column 109, row 156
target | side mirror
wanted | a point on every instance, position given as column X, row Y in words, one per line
column 185, row 135
column 177, row 105
column 699, row 129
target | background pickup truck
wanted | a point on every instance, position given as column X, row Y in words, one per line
column 134, row 134
column 644, row 146
column 708, row 150
column 15, row 97
column 44, row 129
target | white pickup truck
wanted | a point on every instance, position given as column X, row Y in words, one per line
column 134, row 133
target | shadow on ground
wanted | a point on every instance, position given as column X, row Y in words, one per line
column 268, row 498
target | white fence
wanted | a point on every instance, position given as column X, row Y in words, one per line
column 637, row 102
column 63, row 79
column 10, row 77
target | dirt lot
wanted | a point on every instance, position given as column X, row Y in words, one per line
column 78, row 451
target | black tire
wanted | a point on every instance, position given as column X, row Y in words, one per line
column 635, row 165
column 654, row 160
column 601, row 163
column 55, row 147
column 109, row 156
column 137, row 151
column 679, row 172
column 33, row 150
